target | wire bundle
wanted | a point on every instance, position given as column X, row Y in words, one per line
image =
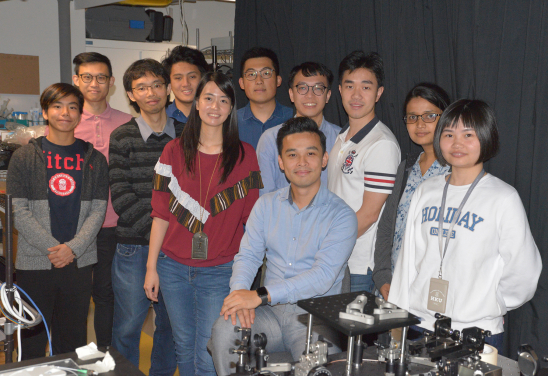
column 17, row 314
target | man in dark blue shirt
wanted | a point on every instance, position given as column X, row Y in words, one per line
column 259, row 78
column 185, row 67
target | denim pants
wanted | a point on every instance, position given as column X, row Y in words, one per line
column 131, row 308
column 285, row 326
column 362, row 282
column 194, row 297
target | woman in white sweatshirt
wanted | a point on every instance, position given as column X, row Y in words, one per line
column 491, row 263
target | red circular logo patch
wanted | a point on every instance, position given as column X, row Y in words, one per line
column 62, row 184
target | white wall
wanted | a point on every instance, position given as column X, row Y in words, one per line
column 31, row 27
column 213, row 18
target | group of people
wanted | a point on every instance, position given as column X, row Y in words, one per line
column 309, row 199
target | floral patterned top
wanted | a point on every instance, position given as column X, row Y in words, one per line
column 414, row 179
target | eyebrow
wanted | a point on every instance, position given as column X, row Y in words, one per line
column 363, row 82
column 222, row 96
column 308, row 148
column 258, row 70
column 316, row 83
column 182, row 74
column 59, row 102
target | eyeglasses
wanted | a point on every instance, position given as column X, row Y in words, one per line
column 157, row 86
column 427, row 118
column 317, row 89
column 87, row 78
column 265, row 73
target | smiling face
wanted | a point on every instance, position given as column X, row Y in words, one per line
column 213, row 105
column 63, row 115
column 185, row 78
column 93, row 91
column 302, row 159
column 460, row 147
column 360, row 92
column 309, row 104
column 153, row 98
column 260, row 90
column 420, row 132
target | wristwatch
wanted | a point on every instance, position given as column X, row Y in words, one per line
column 263, row 294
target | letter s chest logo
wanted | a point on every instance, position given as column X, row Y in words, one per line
column 62, row 184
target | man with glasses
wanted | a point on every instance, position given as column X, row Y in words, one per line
column 93, row 76
column 310, row 90
column 259, row 78
column 135, row 147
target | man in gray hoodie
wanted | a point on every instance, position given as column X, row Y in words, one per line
column 59, row 186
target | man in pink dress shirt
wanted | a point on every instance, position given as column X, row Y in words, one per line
column 93, row 76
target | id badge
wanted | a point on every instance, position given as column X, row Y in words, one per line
column 199, row 246
column 437, row 296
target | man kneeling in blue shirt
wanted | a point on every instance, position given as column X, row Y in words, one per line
column 307, row 234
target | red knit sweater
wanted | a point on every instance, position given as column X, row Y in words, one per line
column 176, row 199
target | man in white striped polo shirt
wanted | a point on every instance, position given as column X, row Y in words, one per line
column 363, row 162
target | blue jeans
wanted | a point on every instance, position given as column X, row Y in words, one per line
column 362, row 282
column 194, row 297
column 131, row 308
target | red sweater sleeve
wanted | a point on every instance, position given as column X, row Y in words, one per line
column 162, row 178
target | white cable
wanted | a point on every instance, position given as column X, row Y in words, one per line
column 11, row 310
column 183, row 24
column 19, row 346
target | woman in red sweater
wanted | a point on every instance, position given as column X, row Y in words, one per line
column 205, row 185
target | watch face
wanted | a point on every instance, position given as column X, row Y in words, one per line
column 320, row 371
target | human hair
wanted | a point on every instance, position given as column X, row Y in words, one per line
column 257, row 52
column 139, row 69
column 186, row 55
column 310, row 69
column 56, row 92
column 429, row 92
column 91, row 57
column 475, row 114
column 359, row 59
column 299, row 124
column 190, row 137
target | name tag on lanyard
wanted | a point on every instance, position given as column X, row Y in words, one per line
column 439, row 288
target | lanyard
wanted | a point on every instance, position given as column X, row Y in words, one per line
column 456, row 215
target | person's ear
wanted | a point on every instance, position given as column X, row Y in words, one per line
column 380, row 90
column 280, row 163
column 291, row 95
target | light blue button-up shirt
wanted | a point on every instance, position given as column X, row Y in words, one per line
column 251, row 128
column 306, row 250
column 267, row 154
column 173, row 112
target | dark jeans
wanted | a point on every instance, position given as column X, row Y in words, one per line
column 63, row 296
column 102, row 293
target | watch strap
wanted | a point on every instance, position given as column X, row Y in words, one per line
column 263, row 294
